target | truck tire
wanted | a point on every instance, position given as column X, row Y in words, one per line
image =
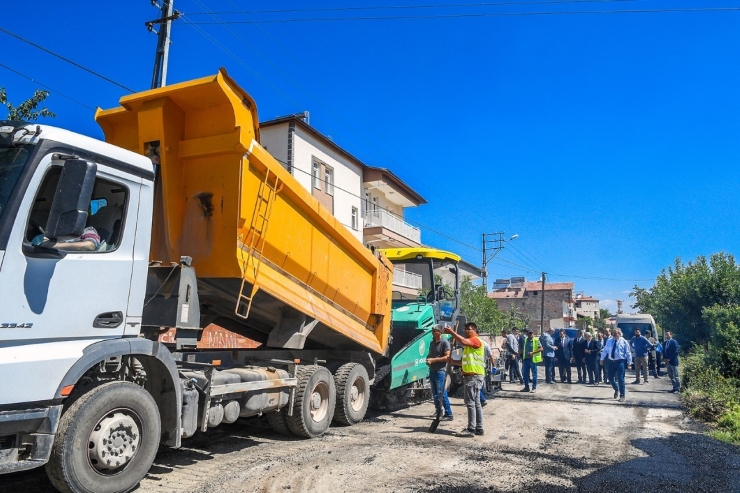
column 106, row 441
column 278, row 421
column 353, row 393
column 315, row 400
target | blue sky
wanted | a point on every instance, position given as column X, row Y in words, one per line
column 608, row 142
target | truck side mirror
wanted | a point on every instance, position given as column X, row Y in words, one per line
column 68, row 213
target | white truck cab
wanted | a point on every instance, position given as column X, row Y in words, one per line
column 57, row 306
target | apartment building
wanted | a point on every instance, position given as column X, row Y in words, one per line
column 527, row 297
column 368, row 200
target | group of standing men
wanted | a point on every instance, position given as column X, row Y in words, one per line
column 609, row 355
column 604, row 357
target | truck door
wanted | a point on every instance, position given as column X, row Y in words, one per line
column 82, row 295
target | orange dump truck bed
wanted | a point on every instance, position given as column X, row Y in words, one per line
column 272, row 263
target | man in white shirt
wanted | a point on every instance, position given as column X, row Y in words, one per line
column 618, row 352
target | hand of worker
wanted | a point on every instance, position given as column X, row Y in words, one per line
column 448, row 330
column 429, row 361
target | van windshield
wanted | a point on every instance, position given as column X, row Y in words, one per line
column 629, row 328
column 12, row 161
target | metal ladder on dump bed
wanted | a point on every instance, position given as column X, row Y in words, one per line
column 255, row 241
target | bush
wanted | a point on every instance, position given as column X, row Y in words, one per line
column 691, row 364
column 709, row 395
column 729, row 427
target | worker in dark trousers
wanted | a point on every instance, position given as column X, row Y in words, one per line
column 564, row 354
column 579, row 353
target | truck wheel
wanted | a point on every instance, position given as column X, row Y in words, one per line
column 278, row 421
column 315, row 399
column 106, row 441
column 353, row 393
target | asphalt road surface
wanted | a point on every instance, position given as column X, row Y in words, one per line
column 563, row 438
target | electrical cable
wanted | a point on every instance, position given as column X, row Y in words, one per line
column 481, row 15
column 46, row 87
column 410, row 7
column 82, row 67
column 389, row 212
column 238, row 59
column 344, row 122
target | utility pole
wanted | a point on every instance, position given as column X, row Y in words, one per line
column 542, row 305
column 159, row 77
column 619, row 306
column 496, row 245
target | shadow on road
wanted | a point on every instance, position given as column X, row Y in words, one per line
column 681, row 462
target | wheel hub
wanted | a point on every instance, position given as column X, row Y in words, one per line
column 357, row 395
column 315, row 400
column 114, row 441
column 319, row 402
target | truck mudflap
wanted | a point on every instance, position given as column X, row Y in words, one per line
column 26, row 437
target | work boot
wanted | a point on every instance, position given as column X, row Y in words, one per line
column 616, row 394
column 636, row 382
column 465, row 433
column 525, row 389
column 621, row 398
column 479, row 432
column 447, row 417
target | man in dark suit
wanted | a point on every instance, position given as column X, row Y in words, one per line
column 592, row 351
column 564, row 353
column 579, row 353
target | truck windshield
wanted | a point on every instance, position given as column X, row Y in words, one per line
column 12, row 161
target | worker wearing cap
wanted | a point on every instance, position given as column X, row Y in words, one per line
column 473, row 369
column 439, row 351
column 531, row 355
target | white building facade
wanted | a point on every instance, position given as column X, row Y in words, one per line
column 369, row 201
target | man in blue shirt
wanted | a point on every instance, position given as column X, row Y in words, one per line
column 670, row 355
column 618, row 353
column 548, row 352
column 641, row 345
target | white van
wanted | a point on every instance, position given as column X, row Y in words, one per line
column 629, row 323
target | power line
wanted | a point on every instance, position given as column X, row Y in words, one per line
column 603, row 278
column 339, row 118
column 480, row 15
column 389, row 212
column 236, row 57
column 410, row 7
column 96, row 74
column 46, row 87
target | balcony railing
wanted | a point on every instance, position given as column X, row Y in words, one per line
column 394, row 223
column 406, row 279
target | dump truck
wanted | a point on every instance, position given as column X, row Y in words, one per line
column 179, row 220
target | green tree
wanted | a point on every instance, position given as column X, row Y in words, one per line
column 479, row 308
column 604, row 313
column 27, row 109
column 584, row 323
column 725, row 341
column 683, row 291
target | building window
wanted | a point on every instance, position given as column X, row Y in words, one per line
column 534, row 293
column 355, row 221
column 317, row 175
column 329, row 177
